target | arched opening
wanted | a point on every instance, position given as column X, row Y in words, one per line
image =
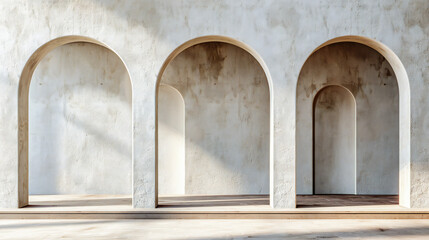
column 379, row 84
column 75, row 125
column 226, row 92
column 334, row 141
column 171, row 141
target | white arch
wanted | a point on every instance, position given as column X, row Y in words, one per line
column 234, row 42
column 404, row 106
column 23, row 102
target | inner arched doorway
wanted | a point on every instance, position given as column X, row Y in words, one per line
column 334, row 141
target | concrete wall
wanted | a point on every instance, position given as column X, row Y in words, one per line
column 227, row 119
column 282, row 33
column 80, row 123
column 171, row 141
column 334, row 141
column 371, row 80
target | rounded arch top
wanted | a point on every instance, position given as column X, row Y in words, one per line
column 42, row 51
column 319, row 91
column 385, row 51
column 174, row 90
column 215, row 38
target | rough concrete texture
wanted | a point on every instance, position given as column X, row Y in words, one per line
column 80, row 123
column 334, row 141
column 227, row 119
column 284, row 33
column 371, row 80
column 171, row 141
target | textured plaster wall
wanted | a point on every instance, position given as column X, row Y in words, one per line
column 80, row 123
column 171, row 141
column 371, row 80
column 284, row 33
column 334, row 141
column 227, row 119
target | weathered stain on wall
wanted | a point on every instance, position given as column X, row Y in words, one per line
column 372, row 82
column 227, row 119
column 80, row 123
column 334, row 141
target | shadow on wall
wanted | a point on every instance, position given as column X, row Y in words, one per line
column 80, row 123
column 227, row 116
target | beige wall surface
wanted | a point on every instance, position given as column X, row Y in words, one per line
column 282, row 33
column 227, row 119
column 80, row 123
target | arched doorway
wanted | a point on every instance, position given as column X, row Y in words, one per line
column 226, row 90
column 171, row 140
column 75, row 138
column 334, row 141
column 378, row 81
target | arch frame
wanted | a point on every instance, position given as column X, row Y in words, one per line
column 256, row 56
column 23, row 104
column 404, row 107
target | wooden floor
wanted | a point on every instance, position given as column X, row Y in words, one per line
column 208, row 201
column 252, row 201
column 206, row 206
column 316, row 201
